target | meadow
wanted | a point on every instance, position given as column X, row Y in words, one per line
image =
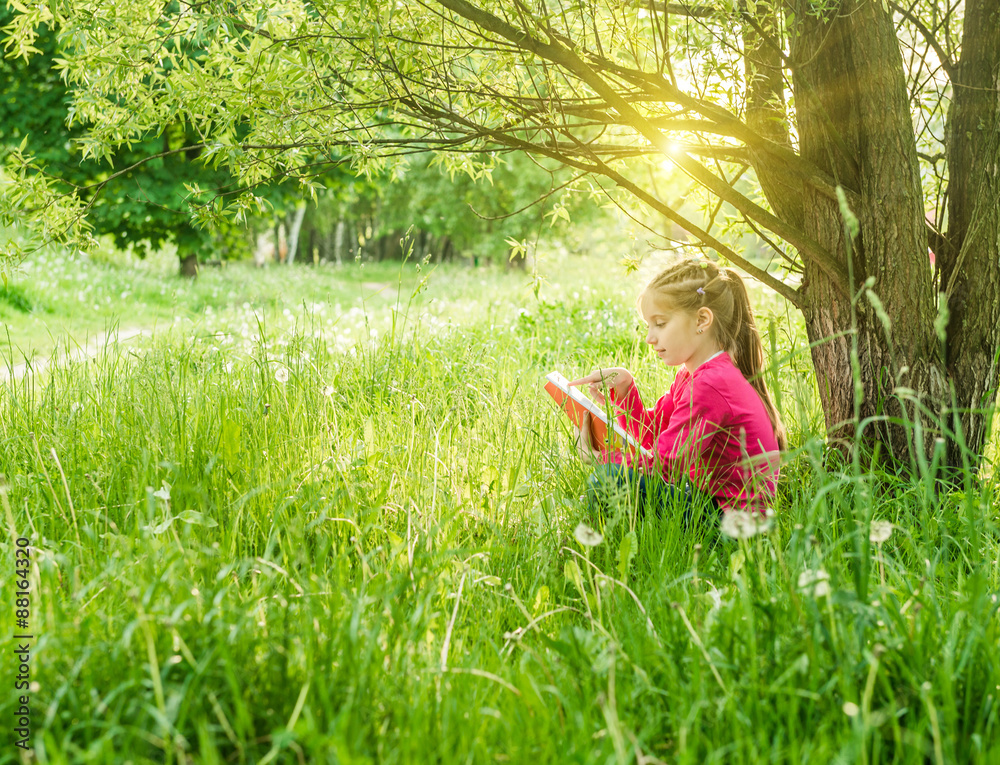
column 326, row 515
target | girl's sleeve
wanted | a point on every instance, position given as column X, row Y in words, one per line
column 638, row 421
column 641, row 423
column 691, row 429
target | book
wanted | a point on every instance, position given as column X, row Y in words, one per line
column 604, row 433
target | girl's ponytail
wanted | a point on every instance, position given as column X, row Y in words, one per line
column 748, row 351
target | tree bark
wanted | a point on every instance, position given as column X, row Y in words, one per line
column 853, row 123
column 293, row 235
column 188, row 265
column 338, row 243
column 970, row 261
column 766, row 110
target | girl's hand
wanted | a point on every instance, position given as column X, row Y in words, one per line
column 584, row 444
column 617, row 379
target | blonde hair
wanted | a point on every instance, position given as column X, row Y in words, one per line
column 692, row 284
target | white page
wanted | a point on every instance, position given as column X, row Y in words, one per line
column 574, row 393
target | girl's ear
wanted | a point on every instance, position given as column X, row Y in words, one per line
column 705, row 319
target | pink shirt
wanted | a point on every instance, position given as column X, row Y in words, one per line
column 711, row 426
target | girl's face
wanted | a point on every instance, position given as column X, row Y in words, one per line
column 674, row 334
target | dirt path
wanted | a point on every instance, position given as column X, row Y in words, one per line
column 81, row 353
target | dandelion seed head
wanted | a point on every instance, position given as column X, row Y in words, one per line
column 586, row 536
column 880, row 531
column 740, row 524
column 281, row 374
column 817, row 583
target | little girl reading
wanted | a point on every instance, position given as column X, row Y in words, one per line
column 715, row 436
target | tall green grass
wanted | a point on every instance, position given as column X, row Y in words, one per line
column 294, row 553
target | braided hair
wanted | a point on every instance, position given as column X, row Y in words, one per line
column 691, row 284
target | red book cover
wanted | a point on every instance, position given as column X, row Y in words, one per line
column 604, row 435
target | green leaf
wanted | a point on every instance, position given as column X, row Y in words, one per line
column 196, row 519
column 572, row 572
column 736, row 564
column 159, row 528
column 541, row 600
column 626, row 551
column 230, row 442
column 850, row 219
column 880, row 311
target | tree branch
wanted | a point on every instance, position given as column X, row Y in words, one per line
column 564, row 56
column 786, row 291
column 946, row 63
column 727, row 123
column 677, row 9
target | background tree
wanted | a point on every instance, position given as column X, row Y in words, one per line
column 452, row 214
column 142, row 193
column 871, row 130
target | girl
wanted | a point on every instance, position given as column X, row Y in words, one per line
column 715, row 435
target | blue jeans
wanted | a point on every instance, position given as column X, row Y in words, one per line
column 610, row 486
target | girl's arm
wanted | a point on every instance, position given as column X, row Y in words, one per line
column 642, row 423
column 645, row 425
column 683, row 432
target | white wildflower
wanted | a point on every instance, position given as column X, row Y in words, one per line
column 327, row 390
column 880, row 531
column 816, row 582
column 715, row 595
column 163, row 493
column 281, row 374
column 586, row 536
column 740, row 524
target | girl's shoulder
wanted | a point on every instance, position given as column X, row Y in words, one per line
column 720, row 376
column 719, row 370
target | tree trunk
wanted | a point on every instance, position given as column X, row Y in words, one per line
column 293, row 234
column 854, row 123
column 264, row 251
column 969, row 261
column 338, row 243
column 188, row 265
column 280, row 236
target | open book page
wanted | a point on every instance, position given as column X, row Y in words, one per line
column 562, row 384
